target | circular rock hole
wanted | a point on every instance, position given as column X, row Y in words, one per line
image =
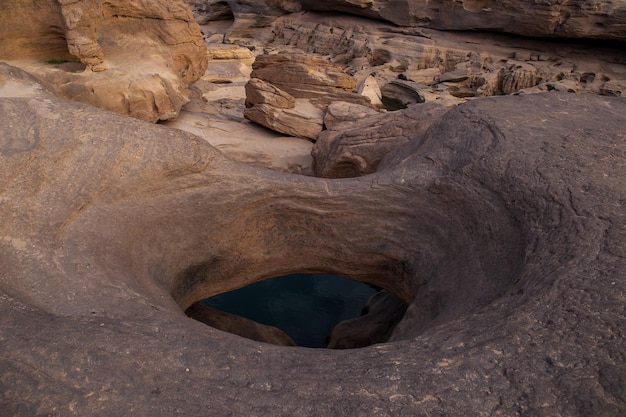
column 306, row 310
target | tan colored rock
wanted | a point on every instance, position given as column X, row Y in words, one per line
column 302, row 120
column 302, row 75
column 262, row 92
column 312, row 81
column 340, row 112
column 369, row 88
column 139, row 56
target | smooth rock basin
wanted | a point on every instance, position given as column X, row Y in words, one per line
column 502, row 227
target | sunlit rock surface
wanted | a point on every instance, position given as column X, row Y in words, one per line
column 131, row 57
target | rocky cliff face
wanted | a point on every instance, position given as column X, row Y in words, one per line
column 598, row 19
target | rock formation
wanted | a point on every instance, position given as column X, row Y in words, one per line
column 290, row 93
column 604, row 19
column 137, row 60
column 502, row 226
column 493, row 206
column 380, row 315
column 356, row 147
column 238, row 325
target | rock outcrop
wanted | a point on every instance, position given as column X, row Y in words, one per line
column 356, row 147
column 380, row 316
column 136, row 59
column 289, row 93
column 502, row 226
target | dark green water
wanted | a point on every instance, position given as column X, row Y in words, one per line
column 304, row 306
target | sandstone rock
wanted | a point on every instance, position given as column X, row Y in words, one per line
column 302, row 120
column 369, row 88
column 398, row 94
column 238, row 325
column 205, row 11
column 596, row 19
column 352, row 149
column 302, row 75
column 289, row 93
column 502, row 227
column 262, row 92
column 140, row 57
column 17, row 83
column 601, row 19
column 380, row 316
column 341, row 112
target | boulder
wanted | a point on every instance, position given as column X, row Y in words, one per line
column 399, row 94
column 302, row 75
column 289, row 93
column 302, row 120
column 354, row 148
column 138, row 58
column 502, row 227
column 380, row 316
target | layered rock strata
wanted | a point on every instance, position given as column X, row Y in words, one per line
column 290, row 92
column 137, row 60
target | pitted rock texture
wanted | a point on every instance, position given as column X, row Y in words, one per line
column 138, row 57
column 502, row 226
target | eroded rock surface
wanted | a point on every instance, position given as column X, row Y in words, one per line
column 290, row 93
column 605, row 19
column 138, row 59
column 502, row 227
column 238, row 325
column 356, row 147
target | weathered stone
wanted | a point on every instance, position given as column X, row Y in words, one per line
column 205, row 11
column 502, row 227
column 352, row 149
column 314, row 82
column 301, row 120
column 380, row 316
column 302, row 75
column 604, row 19
column 369, row 88
column 238, row 325
column 340, row 112
column 398, row 94
column 140, row 57
column 261, row 92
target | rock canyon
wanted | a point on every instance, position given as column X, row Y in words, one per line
column 467, row 158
